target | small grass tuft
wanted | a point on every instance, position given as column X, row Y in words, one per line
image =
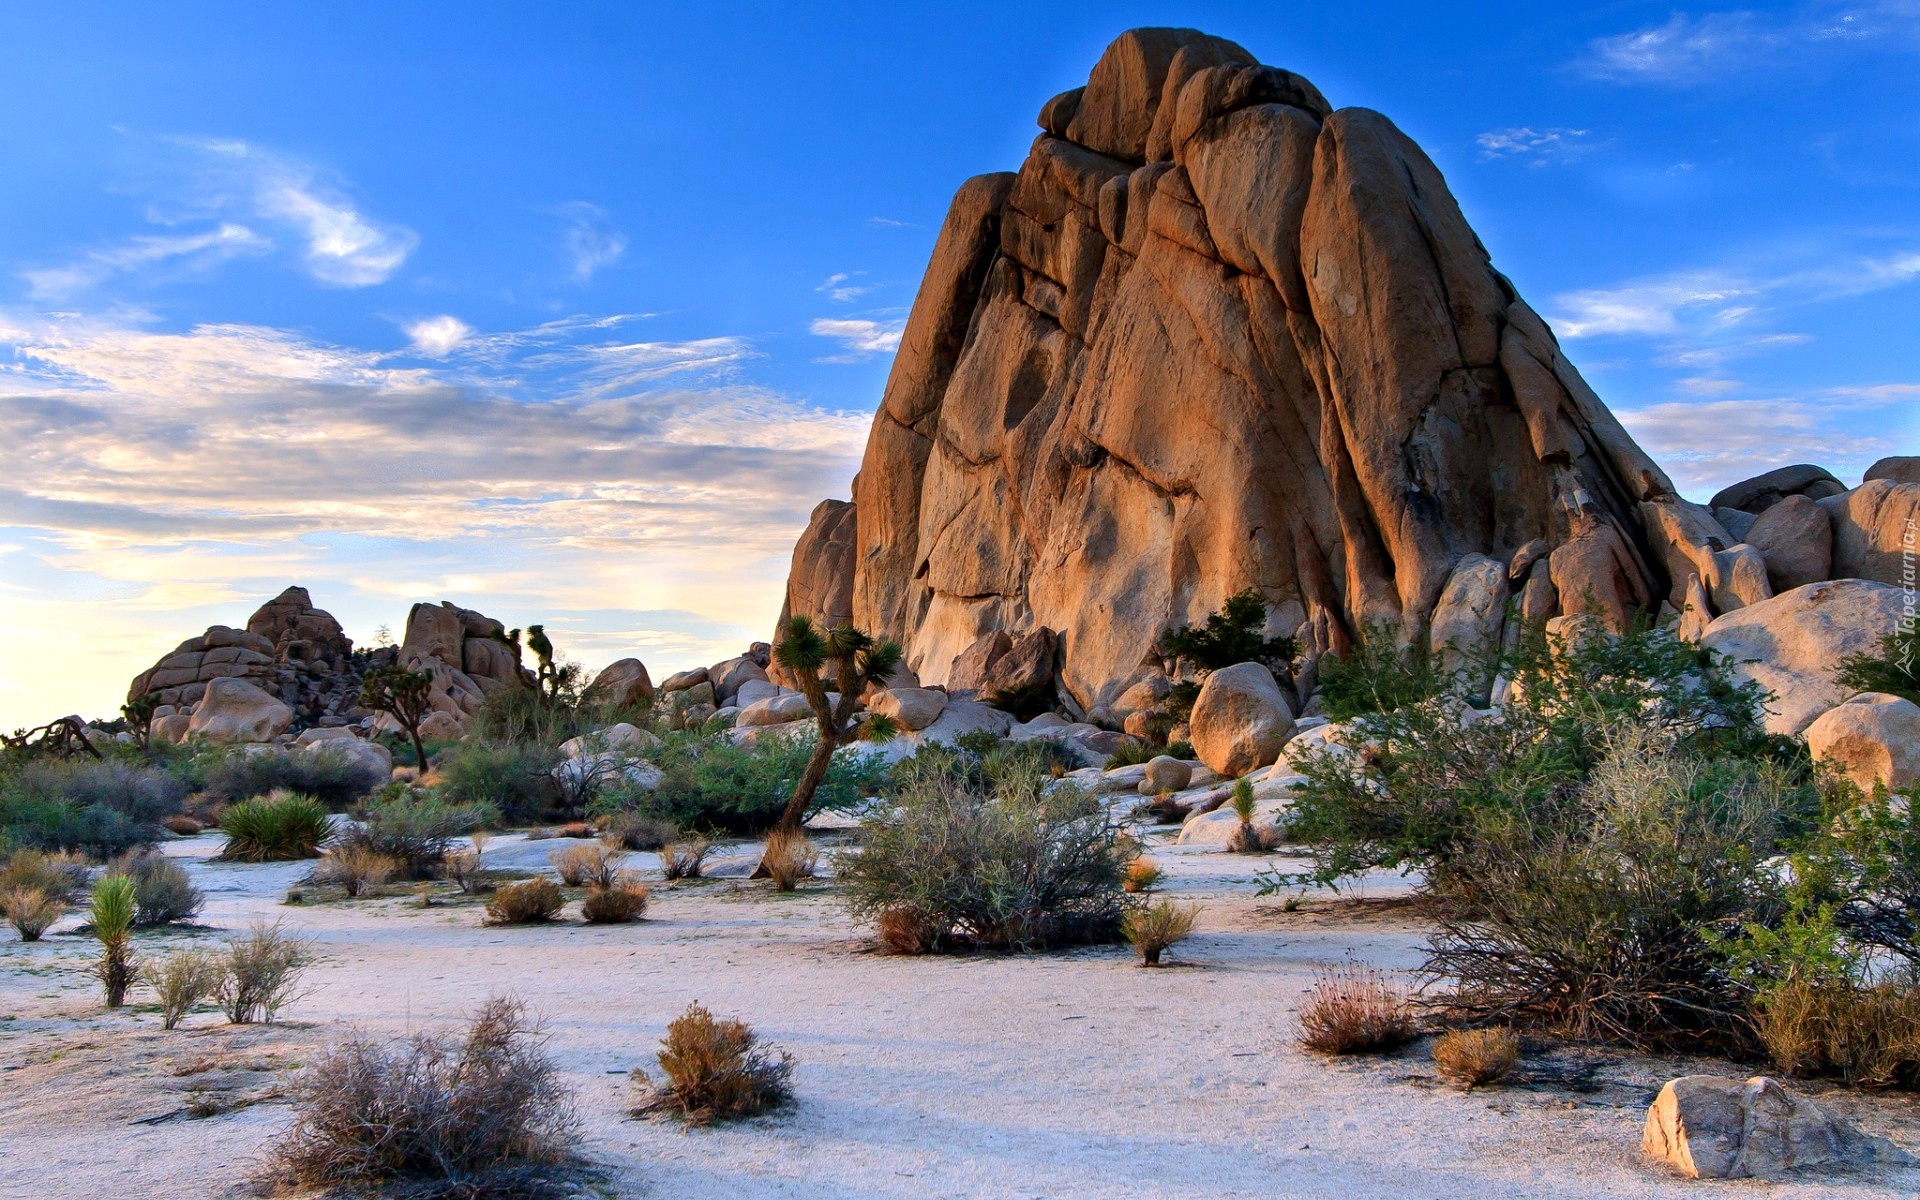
column 1151, row 929
column 684, row 859
column 1476, row 1057
column 625, row 900
column 1354, row 1010
column 789, row 859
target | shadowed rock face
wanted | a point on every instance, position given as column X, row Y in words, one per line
column 1215, row 334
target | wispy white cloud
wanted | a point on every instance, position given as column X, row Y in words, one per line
column 190, row 252
column 890, row 221
column 861, row 338
column 1708, row 443
column 840, row 286
column 167, row 479
column 1538, row 147
column 590, row 240
column 1688, row 49
column 1715, row 300
column 344, row 247
column 437, row 337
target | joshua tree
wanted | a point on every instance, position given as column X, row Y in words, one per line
column 851, row 661
column 139, row 717
column 403, row 695
column 542, row 647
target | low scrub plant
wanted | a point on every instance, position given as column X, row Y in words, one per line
column 1476, row 1057
column 1892, row 667
column 334, row 780
column 587, row 866
column 623, row 900
column 1606, row 918
column 531, row 902
column 280, row 827
column 111, row 917
column 1867, row 1035
column 96, row 808
column 484, row 1114
column 262, row 973
column 31, row 911
column 414, row 828
column 629, row 830
column 182, row 981
column 356, row 867
column 709, row 784
column 1151, row 929
column 1142, row 875
column 788, row 859
column 59, row 874
column 1378, row 674
column 715, row 1070
column 905, row 930
column 163, row 892
column 513, row 778
column 1355, row 1010
column 684, row 859
column 1021, row 863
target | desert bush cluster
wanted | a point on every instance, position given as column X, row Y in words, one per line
column 1621, row 854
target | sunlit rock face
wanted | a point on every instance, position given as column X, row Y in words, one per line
column 1215, row 334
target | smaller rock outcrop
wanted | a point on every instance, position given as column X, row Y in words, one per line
column 1762, row 492
column 1872, row 739
column 1897, row 467
column 621, row 684
column 1706, row 1127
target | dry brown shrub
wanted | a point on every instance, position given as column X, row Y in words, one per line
column 788, row 859
column 625, row 901
column 1474, row 1057
column 533, row 902
column 463, row 869
column 61, row 875
column 587, row 866
column 1151, row 929
column 262, row 974
column 1143, row 875
column 356, row 867
column 1355, row 1010
column 631, row 831
column 183, row 979
column 183, row 825
column 905, row 931
column 481, row 1115
column 1867, row 1036
column 684, row 859
column 715, row 1070
column 31, row 911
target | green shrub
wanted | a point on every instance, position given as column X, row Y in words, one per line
column 414, row 828
column 1376, row 675
column 1021, row 863
column 1894, row 668
column 163, row 893
column 1430, row 771
column 1230, row 636
column 713, row 786
column 280, row 827
column 513, row 778
column 334, row 780
column 183, row 980
column 1607, row 917
column 98, row 808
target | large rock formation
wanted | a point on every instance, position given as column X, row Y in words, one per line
column 1212, row 334
column 295, row 652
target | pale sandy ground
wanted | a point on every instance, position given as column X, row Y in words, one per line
column 1070, row 1075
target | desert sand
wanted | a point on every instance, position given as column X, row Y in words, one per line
column 1059, row 1075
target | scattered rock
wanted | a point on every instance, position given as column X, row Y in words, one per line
column 1165, row 774
column 621, row 684
column 1876, row 527
column 1470, row 615
column 234, row 711
column 912, row 708
column 683, row 680
column 1795, row 537
column 1240, row 719
column 1706, row 1127
column 1027, row 666
column 775, row 711
column 1762, row 492
column 1899, row 468
column 1792, row 643
column 973, row 667
column 1872, row 738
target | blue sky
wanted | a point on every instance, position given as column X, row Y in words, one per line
column 573, row 312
